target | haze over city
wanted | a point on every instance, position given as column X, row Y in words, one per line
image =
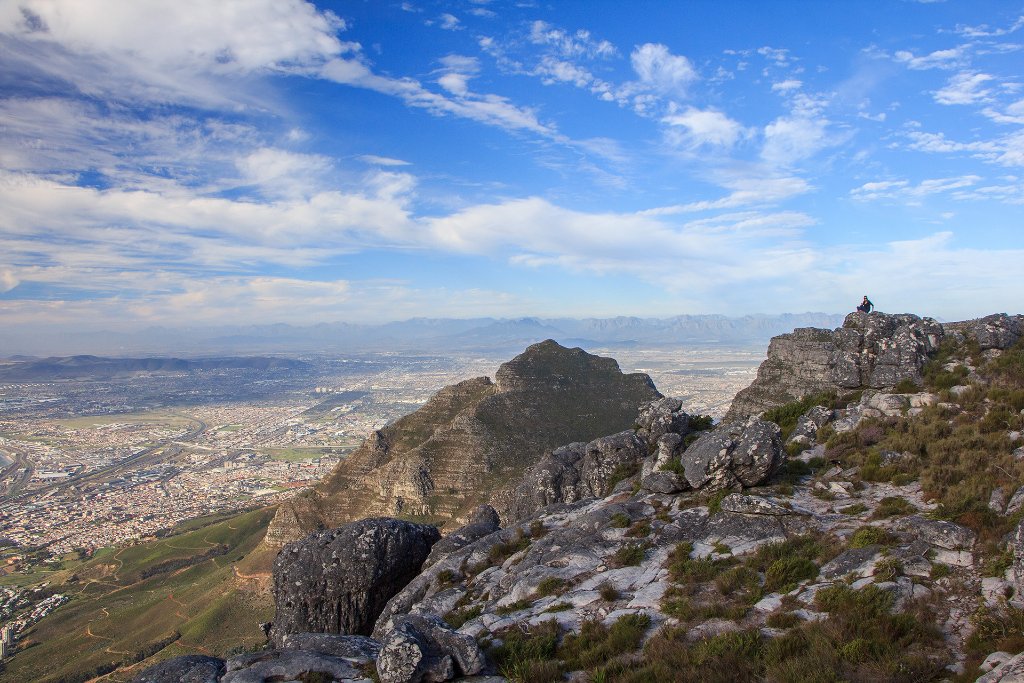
column 197, row 163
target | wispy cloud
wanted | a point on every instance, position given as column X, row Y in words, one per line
column 964, row 88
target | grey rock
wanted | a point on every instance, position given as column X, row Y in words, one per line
column 993, row 660
column 655, row 473
column 187, row 669
column 1010, row 672
column 338, row 581
column 271, row 666
column 938, row 533
column 742, row 533
column 572, row 473
column 664, row 416
column 664, row 482
column 1017, row 547
column 859, row 561
column 735, row 455
column 997, row 501
column 808, row 424
column 420, row 648
column 753, row 505
column 1016, row 501
column 482, row 522
column 998, row 331
column 352, row 648
column 870, row 351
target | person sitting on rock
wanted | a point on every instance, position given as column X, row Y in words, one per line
column 866, row 305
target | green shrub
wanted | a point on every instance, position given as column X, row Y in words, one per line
column 906, row 386
column 784, row 574
column 527, row 653
column 500, row 552
column 787, row 415
column 782, row 620
column 892, row 506
column 456, row 618
column 630, row 555
column 550, row 585
column 620, row 520
column 608, row 592
column 871, row 535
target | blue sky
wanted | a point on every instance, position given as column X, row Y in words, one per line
column 260, row 161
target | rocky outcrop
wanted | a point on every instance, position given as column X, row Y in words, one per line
column 471, row 438
column 186, row 669
column 426, row 649
column 339, row 581
column 870, row 351
column 482, row 522
column 734, row 456
column 572, row 473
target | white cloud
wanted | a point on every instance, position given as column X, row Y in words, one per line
column 382, row 161
column 279, row 173
column 912, row 194
column 939, row 59
column 8, row 280
column 660, row 70
column 986, row 31
column 789, row 139
column 746, row 191
column 779, row 56
column 1007, row 150
column 450, row 22
column 151, row 50
column 964, row 88
column 787, row 85
column 700, row 128
column 570, row 45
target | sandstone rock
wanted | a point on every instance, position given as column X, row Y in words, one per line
column 735, row 455
column 426, row 649
column 754, row 505
column 664, row 416
column 857, row 561
column 352, row 648
column 187, row 669
column 271, row 666
column 997, row 501
column 808, row 424
column 655, row 475
column 994, row 660
column 482, row 522
column 999, row 331
column 1010, row 672
column 1016, row 501
column 572, row 473
column 442, row 459
column 339, row 581
column 870, row 351
column 938, row 533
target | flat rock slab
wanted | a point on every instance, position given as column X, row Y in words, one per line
column 857, row 561
column 290, row 665
column 938, row 533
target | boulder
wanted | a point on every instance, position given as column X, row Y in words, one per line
column 938, row 533
column 424, row 648
column 572, row 473
column 753, row 505
column 338, row 581
column 352, row 648
column 187, row 669
column 1011, row 671
column 482, row 522
column 664, row 416
column 997, row 501
column 808, row 424
column 857, row 561
column 999, row 331
column 655, row 473
column 735, row 455
column 1016, row 501
column 271, row 666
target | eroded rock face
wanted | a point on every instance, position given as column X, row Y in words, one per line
column 187, row 669
column 871, row 350
column 482, row 522
column 441, row 460
column 422, row 648
column 998, row 331
column 734, row 456
column 271, row 666
column 338, row 581
column 572, row 473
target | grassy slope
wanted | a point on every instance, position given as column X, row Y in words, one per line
column 117, row 617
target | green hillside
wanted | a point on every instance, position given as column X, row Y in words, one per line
column 193, row 591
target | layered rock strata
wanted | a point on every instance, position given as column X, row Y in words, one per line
column 471, row 438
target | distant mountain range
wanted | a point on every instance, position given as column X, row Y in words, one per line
column 424, row 335
column 73, row 367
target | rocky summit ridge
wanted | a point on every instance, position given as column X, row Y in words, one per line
column 439, row 462
column 873, row 536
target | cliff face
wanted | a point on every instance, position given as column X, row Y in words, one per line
column 870, row 351
column 442, row 460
